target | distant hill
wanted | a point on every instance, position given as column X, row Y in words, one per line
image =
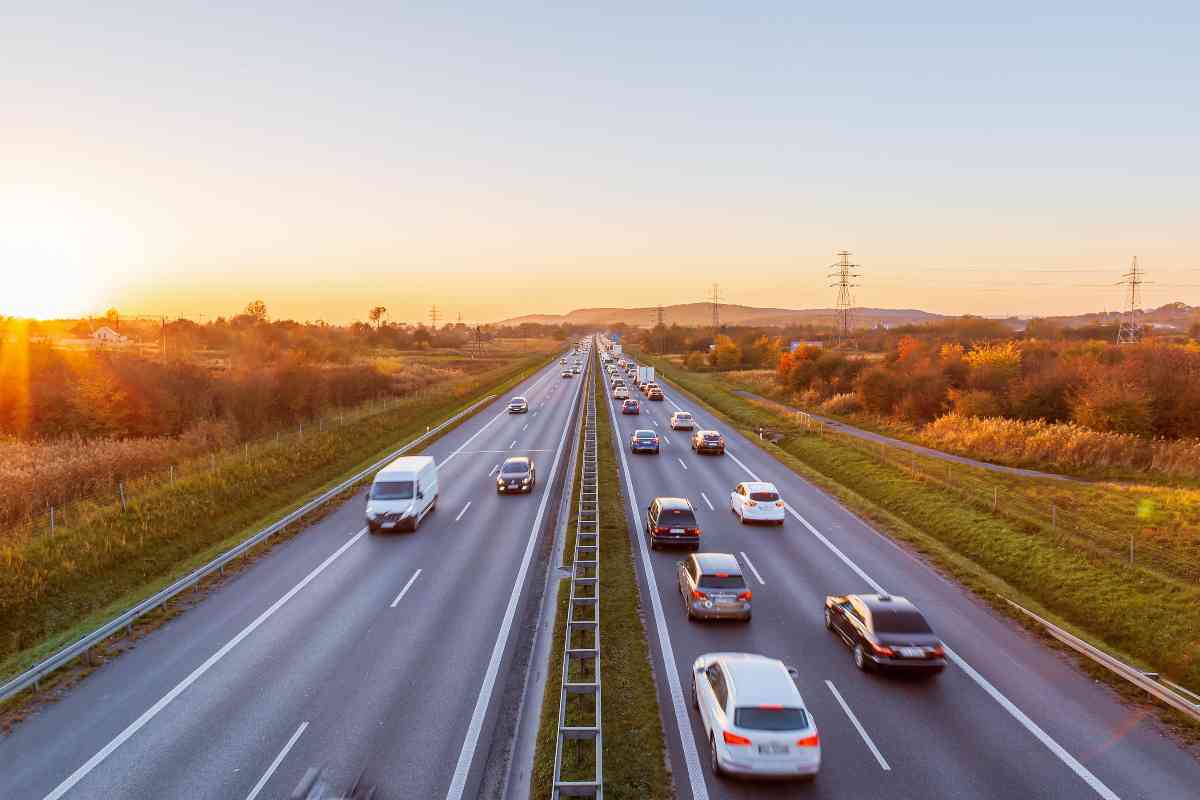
column 701, row 314
column 1172, row 316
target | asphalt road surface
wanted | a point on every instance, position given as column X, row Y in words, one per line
column 1007, row 719
column 376, row 653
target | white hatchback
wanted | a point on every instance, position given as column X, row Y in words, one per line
column 620, row 393
column 757, row 501
column 682, row 421
column 754, row 717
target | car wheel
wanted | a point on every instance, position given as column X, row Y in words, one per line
column 741, row 519
column 828, row 620
column 860, row 659
column 653, row 545
column 713, row 762
column 779, row 522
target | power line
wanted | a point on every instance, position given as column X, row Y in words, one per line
column 844, row 276
column 1130, row 330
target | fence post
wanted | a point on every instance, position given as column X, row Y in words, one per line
column 1053, row 516
column 1131, row 549
column 995, row 497
column 51, row 520
column 301, row 430
column 172, row 474
column 121, row 489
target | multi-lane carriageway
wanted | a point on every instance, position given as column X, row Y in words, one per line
column 384, row 653
column 390, row 654
column 1007, row 719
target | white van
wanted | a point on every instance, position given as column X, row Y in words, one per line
column 402, row 494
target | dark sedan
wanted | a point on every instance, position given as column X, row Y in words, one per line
column 517, row 475
column 885, row 632
column 631, row 406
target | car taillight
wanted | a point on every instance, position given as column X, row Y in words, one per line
column 661, row 530
column 937, row 651
column 733, row 738
column 882, row 649
column 809, row 741
column 692, row 531
column 779, row 504
column 746, row 595
column 698, row 595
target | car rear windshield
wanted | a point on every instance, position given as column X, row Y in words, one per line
column 722, row 582
column 764, row 497
column 711, row 437
column 645, row 434
column 517, row 468
column 899, row 621
column 758, row 718
column 392, row 490
column 677, row 518
column 683, row 416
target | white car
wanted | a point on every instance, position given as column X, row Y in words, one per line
column 757, row 501
column 682, row 421
column 754, row 717
column 620, row 393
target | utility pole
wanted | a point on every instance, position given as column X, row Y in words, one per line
column 844, row 276
column 1130, row 329
column 661, row 325
column 715, row 299
column 433, row 315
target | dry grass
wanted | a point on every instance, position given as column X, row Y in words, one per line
column 1063, row 446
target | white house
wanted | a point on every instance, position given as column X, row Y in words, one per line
column 107, row 335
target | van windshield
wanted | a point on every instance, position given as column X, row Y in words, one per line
column 392, row 490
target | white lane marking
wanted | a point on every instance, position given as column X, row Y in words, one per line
column 526, row 425
column 258, row 787
column 407, row 586
column 655, row 422
column 514, row 444
column 858, row 726
column 1054, row 747
column 494, row 468
column 665, row 439
column 487, row 425
column 680, row 460
column 464, row 510
column 150, row 713
column 691, row 757
column 709, row 502
column 462, row 768
column 750, row 564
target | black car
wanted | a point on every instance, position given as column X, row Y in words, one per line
column 517, row 474
column 885, row 632
column 708, row 442
column 672, row 521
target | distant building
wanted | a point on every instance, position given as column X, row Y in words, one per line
column 798, row 343
column 107, row 335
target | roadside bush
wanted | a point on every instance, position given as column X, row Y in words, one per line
column 976, row 403
column 878, row 390
column 845, row 403
column 695, row 361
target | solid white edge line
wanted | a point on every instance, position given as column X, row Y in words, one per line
column 680, row 460
column 709, row 502
column 691, row 757
column 750, row 564
column 1054, row 747
column 464, row 508
column 407, row 586
column 149, row 714
column 462, row 768
column 1016, row 713
column 258, row 787
column 883, row 764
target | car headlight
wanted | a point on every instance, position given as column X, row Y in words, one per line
column 371, row 514
column 525, row 480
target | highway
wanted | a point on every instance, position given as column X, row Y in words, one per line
column 385, row 655
column 1008, row 718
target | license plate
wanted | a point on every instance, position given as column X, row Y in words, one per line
column 772, row 749
column 676, row 530
column 912, row 652
column 389, row 524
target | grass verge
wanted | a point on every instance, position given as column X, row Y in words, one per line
column 634, row 748
column 55, row 589
column 1141, row 616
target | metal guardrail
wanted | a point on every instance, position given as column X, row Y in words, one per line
column 33, row 676
column 581, row 646
column 1148, row 681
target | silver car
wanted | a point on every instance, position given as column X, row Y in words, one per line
column 712, row 587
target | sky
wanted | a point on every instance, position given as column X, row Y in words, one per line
column 498, row 159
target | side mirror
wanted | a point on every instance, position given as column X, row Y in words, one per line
column 420, row 495
column 795, row 673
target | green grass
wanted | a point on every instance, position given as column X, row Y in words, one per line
column 634, row 749
column 55, row 588
column 1143, row 615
